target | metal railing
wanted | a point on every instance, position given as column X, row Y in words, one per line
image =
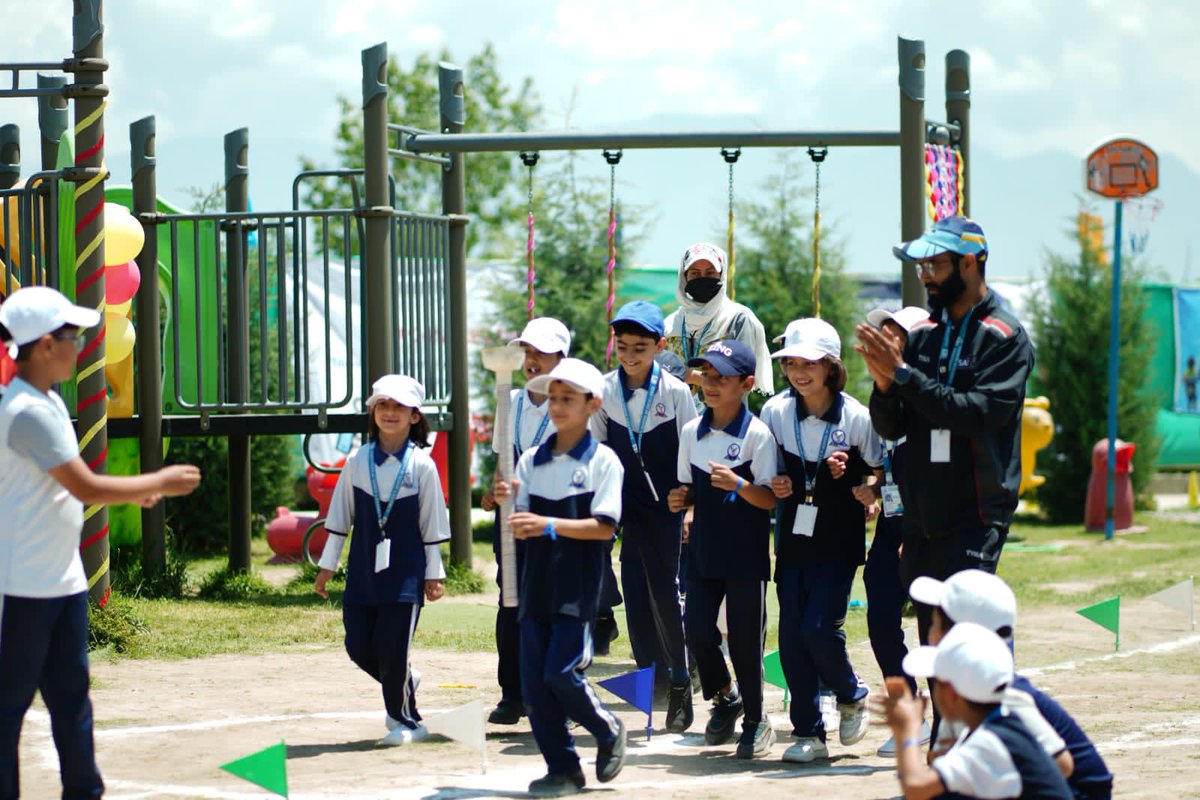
column 29, row 233
column 421, row 270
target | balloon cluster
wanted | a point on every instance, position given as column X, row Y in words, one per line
column 123, row 240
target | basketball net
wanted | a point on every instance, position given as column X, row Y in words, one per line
column 1139, row 217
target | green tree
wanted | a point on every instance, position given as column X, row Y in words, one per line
column 774, row 250
column 1071, row 330
column 494, row 180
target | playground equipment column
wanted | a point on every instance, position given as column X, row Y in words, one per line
column 237, row 145
column 53, row 119
column 378, row 281
column 958, row 112
column 912, row 158
column 89, row 175
column 149, row 344
column 454, row 204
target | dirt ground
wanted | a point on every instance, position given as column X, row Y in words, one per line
column 164, row 727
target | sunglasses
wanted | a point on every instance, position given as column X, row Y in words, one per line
column 76, row 335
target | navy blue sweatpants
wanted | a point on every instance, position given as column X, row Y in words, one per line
column 650, row 580
column 554, row 654
column 885, row 599
column 746, row 615
column 378, row 640
column 813, row 600
column 43, row 647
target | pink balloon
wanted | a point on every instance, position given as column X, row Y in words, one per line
column 121, row 282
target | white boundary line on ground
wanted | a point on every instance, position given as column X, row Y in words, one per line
column 1161, row 647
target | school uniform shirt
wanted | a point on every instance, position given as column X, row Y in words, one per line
column 562, row 575
column 418, row 522
column 841, row 528
column 39, row 540
column 1000, row 759
column 671, row 408
column 730, row 538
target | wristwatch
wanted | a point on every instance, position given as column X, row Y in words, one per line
column 901, row 374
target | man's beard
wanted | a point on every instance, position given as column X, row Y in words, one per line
column 948, row 290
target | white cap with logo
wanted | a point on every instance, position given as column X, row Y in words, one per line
column 972, row 659
column 905, row 317
column 546, row 335
column 32, row 312
column 810, row 339
column 970, row 596
column 404, row 390
column 580, row 374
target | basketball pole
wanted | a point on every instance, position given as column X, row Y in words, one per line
column 1113, row 371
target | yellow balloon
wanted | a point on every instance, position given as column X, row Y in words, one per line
column 119, row 339
column 119, row 309
column 123, row 235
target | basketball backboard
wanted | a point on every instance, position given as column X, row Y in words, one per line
column 1122, row 167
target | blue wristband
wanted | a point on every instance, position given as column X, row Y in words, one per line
column 549, row 530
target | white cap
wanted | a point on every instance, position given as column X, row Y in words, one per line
column 32, row 312
column 704, row 251
column 810, row 339
column 905, row 317
column 580, row 374
column 404, row 390
column 970, row 596
column 970, row 658
column 546, row 335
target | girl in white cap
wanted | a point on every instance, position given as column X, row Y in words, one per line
column 390, row 494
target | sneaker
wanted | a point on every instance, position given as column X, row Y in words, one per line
column 888, row 748
column 611, row 757
column 806, row 749
column 558, row 785
column 725, row 712
column 606, row 632
column 756, row 740
column 507, row 712
column 679, row 708
column 402, row 734
column 854, row 722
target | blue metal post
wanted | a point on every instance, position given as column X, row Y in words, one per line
column 1114, row 346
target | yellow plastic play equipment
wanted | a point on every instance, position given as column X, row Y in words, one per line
column 1037, row 429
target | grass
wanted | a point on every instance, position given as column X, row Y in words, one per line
column 283, row 612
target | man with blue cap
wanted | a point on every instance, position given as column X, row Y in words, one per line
column 955, row 390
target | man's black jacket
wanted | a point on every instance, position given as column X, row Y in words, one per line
column 982, row 411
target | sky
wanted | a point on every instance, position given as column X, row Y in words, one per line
column 1049, row 81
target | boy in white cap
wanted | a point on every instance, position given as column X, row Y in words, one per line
column 568, row 506
column 996, row 757
column 44, row 485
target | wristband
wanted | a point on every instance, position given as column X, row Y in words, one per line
column 908, row 743
column 741, row 483
column 549, row 530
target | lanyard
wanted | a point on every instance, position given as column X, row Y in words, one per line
column 381, row 513
column 688, row 354
column 888, row 447
column 635, row 437
column 958, row 346
column 809, row 483
column 537, row 436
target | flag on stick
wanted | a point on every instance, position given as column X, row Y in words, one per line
column 266, row 768
column 1106, row 614
column 1179, row 597
column 773, row 673
column 635, row 688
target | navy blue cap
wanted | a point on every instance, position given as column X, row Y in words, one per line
column 958, row 234
column 728, row 357
column 643, row 314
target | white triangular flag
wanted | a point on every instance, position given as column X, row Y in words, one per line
column 463, row 724
column 1178, row 597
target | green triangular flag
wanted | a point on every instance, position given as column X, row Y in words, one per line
column 773, row 670
column 266, row 768
column 1106, row 614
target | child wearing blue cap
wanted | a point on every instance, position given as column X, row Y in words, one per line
column 643, row 413
column 727, row 458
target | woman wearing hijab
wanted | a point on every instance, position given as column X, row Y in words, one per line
column 706, row 314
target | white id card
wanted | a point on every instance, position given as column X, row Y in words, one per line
column 892, row 505
column 806, row 520
column 939, row 446
column 383, row 555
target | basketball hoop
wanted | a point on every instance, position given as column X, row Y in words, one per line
column 1121, row 168
column 1140, row 213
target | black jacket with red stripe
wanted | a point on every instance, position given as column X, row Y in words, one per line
column 982, row 410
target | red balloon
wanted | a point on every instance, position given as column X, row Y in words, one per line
column 121, row 282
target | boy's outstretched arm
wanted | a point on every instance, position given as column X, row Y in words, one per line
column 88, row 487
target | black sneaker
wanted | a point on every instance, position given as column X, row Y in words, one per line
column 605, row 633
column 679, row 708
column 610, row 758
column 725, row 712
column 756, row 740
column 507, row 712
column 555, row 784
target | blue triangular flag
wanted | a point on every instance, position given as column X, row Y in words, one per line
column 635, row 688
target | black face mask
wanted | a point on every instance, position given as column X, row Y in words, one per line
column 946, row 292
column 703, row 289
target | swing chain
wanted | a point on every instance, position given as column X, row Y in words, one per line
column 817, row 155
column 613, row 157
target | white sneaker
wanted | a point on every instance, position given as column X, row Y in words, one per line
column 403, row 734
column 888, row 748
column 854, row 722
column 805, row 750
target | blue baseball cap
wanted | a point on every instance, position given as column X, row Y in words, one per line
column 960, row 235
column 728, row 357
column 643, row 314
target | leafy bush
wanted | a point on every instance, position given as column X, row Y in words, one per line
column 116, row 625
column 226, row 585
column 461, row 579
column 130, row 580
